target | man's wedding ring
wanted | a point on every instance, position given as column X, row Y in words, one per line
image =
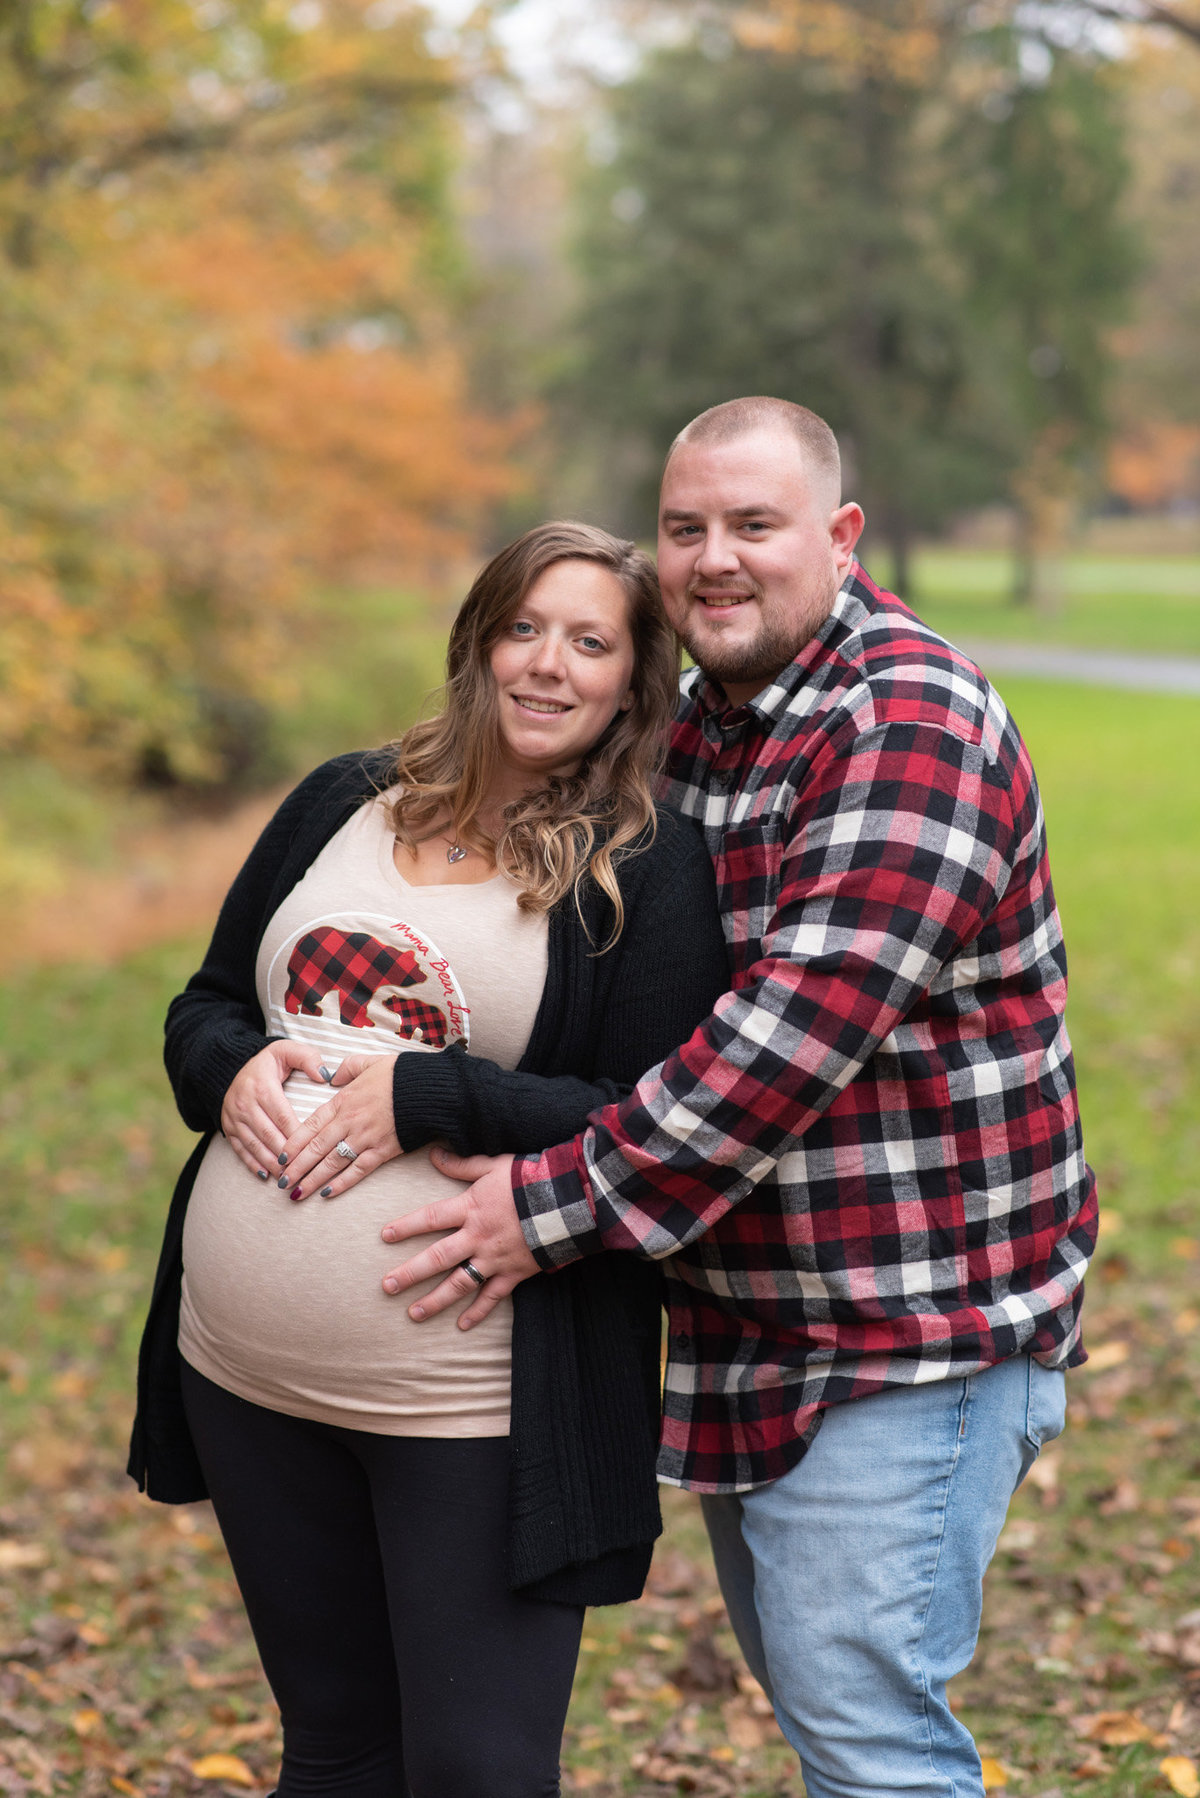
column 469, row 1267
column 345, row 1151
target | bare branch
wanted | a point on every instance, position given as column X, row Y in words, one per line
column 1148, row 12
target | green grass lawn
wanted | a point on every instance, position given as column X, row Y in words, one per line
column 123, row 1657
column 1150, row 606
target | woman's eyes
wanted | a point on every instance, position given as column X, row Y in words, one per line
column 523, row 628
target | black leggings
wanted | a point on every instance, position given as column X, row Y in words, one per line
column 372, row 1569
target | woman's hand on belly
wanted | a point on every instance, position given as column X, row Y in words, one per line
column 256, row 1118
column 360, row 1116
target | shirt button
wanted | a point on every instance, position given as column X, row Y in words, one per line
column 721, row 780
column 683, row 1340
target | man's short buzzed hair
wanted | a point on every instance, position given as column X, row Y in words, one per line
column 737, row 418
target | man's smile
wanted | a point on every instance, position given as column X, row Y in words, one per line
column 722, row 601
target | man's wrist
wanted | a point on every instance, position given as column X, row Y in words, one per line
column 552, row 1203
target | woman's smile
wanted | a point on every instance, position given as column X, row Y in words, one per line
column 562, row 668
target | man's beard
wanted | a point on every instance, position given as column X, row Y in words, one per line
column 778, row 642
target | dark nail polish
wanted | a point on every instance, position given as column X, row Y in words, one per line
column 325, row 1075
column 282, row 1158
column 261, row 1174
column 282, row 1183
column 297, row 1194
column 327, row 1192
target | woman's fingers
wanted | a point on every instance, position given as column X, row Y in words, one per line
column 350, row 1068
column 361, row 1115
column 311, row 1141
column 256, row 1117
column 253, row 1153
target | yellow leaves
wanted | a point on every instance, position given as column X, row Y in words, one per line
column 1181, row 1774
column 1107, row 1355
column 901, row 40
column 995, row 1774
column 229, row 1767
column 87, row 1722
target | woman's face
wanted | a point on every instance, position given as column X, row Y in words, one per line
column 562, row 669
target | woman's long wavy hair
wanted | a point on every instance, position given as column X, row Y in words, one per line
column 575, row 825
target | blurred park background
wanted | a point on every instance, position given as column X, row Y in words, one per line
column 306, row 305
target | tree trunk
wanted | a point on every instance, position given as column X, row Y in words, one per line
column 899, row 542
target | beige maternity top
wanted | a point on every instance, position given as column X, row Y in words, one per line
column 282, row 1302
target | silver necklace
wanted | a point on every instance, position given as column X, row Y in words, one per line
column 456, row 852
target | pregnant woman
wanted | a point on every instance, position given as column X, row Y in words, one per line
column 476, row 935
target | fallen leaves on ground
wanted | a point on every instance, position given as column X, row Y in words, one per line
column 1181, row 1774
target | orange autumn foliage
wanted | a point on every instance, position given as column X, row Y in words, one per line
column 1155, row 465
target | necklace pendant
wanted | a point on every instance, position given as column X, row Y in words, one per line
column 456, row 853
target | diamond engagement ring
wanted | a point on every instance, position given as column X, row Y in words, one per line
column 345, row 1151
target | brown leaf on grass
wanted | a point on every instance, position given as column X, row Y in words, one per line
column 672, row 1575
column 1124, row 1498
column 1117, row 1729
column 24, row 1722
column 1181, row 1644
column 1105, row 1356
column 49, row 1461
column 1094, row 1767
column 704, row 1668
column 16, row 1557
column 744, row 1727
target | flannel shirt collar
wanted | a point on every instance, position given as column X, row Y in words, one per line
column 718, row 718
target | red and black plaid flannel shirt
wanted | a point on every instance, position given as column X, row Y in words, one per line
column 866, row 1166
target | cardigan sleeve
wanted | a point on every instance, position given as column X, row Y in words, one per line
column 670, row 967
column 215, row 1026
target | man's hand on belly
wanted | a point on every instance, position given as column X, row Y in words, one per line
column 487, row 1234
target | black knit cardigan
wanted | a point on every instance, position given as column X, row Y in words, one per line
column 585, row 1356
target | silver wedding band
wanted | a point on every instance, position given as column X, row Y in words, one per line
column 469, row 1267
column 345, row 1151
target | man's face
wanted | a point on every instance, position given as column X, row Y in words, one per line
column 752, row 548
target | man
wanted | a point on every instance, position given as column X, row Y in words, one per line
column 864, row 1172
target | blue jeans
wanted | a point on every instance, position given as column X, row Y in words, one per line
column 854, row 1583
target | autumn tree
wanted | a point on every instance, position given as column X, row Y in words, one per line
column 227, row 365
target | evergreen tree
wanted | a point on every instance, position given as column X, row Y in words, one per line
column 803, row 211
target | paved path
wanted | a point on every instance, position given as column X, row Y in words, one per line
column 1093, row 667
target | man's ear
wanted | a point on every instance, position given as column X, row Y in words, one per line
column 845, row 529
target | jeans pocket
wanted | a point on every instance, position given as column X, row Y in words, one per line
column 1046, row 1411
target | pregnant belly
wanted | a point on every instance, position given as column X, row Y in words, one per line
column 283, row 1304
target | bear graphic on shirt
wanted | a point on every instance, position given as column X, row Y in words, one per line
column 367, row 980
